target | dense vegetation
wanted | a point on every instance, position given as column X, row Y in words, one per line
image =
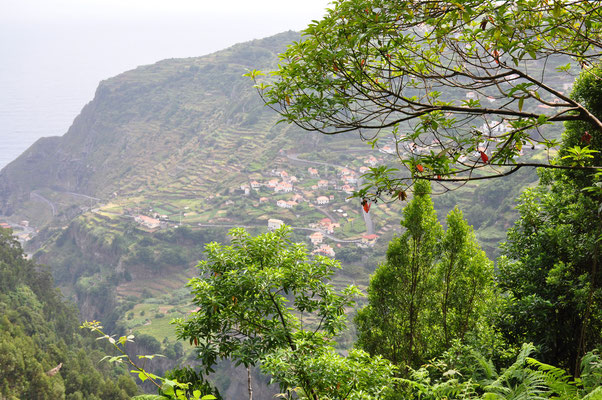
column 39, row 332
column 438, row 320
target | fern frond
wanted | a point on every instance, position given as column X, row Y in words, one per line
column 595, row 395
column 591, row 371
column 558, row 380
column 486, row 365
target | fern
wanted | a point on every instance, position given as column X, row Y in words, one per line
column 485, row 365
column 596, row 394
column 558, row 380
column 518, row 382
column 591, row 371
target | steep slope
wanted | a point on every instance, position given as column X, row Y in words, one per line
column 147, row 125
column 38, row 332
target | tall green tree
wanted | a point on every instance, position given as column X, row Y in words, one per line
column 263, row 301
column 430, row 291
column 551, row 270
column 42, row 353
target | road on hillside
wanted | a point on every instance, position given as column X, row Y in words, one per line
column 367, row 217
column 82, row 195
column 298, row 228
column 34, row 195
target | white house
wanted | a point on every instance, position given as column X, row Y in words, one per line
column 316, row 238
column 322, row 184
column 322, row 200
column 274, row 223
column 283, row 204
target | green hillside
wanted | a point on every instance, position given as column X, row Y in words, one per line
column 39, row 332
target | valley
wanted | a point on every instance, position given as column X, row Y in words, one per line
column 168, row 157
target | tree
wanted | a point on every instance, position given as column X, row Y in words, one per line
column 551, row 273
column 430, row 291
column 458, row 88
column 263, row 301
column 551, row 267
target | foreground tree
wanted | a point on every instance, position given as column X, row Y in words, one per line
column 263, row 301
column 458, row 88
column 431, row 290
column 551, row 271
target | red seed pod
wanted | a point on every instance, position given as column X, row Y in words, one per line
column 420, row 168
column 484, row 157
column 586, row 138
column 366, row 207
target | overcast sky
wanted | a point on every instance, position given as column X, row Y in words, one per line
column 55, row 52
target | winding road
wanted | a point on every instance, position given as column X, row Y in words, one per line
column 34, row 195
column 298, row 228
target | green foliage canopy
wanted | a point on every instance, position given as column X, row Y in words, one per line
column 433, row 288
column 458, row 88
column 263, row 301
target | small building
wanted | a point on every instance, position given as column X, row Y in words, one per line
column 312, row 171
column 316, row 238
column 325, row 249
column 321, row 200
column 255, row 185
column 283, row 204
column 347, row 189
column 283, row 187
column 274, row 224
column 369, row 239
column 322, row 184
column 350, row 179
column 371, row 161
column 387, row 149
column 148, row 222
column 346, row 171
column 363, row 169
column 326, row 225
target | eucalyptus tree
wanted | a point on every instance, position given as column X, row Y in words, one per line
column 433, row 289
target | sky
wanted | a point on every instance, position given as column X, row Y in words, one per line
column 178, row 27
column 55, row 52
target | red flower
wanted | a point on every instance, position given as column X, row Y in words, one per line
column 420, row 168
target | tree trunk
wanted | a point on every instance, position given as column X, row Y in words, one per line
column 249, row 383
